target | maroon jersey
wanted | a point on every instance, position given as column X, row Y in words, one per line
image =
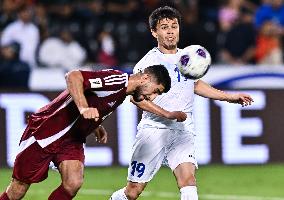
column 104, row 90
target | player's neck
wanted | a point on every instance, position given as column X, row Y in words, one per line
column 167, row 51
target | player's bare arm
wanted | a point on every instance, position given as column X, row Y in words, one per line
column 74, row 80
column 149, row 106
column 205, row 90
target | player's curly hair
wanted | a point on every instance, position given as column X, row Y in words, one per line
column 160, row 75
column 163, row 13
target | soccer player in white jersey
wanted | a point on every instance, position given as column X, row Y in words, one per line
column 160, row 140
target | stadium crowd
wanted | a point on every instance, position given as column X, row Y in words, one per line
column 70, row 33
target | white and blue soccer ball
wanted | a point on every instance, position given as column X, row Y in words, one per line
column 194, row 61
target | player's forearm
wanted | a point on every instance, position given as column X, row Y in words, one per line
column 151, row 107
column 74, row 81
column 205, row 90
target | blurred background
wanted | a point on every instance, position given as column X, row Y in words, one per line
column 240, row 150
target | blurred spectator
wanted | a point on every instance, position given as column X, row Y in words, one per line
column 268, row 45
column 90, row 17
column 8, row 10
column 83, row 18
column 269, row 20
column 229, row 14
column 13, row 71
column 25, row 33
column 208, row 10
column 239, row 44
column 7, row 14
column 194, row 31
column 273, row 11
column 62, row 52
column 41, row 20
column 106, row 54
column 62, row 14
column 151, row 5
column 100, row 27
column 124, row 9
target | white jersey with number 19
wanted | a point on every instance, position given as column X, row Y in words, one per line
column 179, row 98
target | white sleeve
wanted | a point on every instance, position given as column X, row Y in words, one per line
column 148, row 60
column 139, row 67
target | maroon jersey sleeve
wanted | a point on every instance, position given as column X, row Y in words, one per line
column 105, row 80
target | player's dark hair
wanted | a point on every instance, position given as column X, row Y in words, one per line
column 160, row 74
column 165, row 12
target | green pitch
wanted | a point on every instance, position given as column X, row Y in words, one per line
column 216, row 182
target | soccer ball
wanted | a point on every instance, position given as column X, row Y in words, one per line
column 194, row 61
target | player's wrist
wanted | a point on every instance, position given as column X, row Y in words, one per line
column 82, row 109
column 167, row 114
column 230, row 97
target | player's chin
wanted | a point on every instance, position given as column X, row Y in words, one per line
column 171, row 46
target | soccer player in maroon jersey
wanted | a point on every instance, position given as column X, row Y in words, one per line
column 58, row 130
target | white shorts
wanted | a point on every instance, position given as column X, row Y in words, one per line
column 154, row 147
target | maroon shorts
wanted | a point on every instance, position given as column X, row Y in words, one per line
column 32, row 164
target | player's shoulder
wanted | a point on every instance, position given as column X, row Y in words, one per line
column 106, row 77
column 103, row 74
column 112, row 71
column 103, row 71
column 179, row 51
column 151, row 58
column 153, row 53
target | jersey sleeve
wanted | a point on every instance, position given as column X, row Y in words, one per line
column 105, row 80
column 139, row 67
column 148, row 60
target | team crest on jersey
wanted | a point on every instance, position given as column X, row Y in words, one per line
column 96, row 83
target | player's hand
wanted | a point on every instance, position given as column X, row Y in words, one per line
column 90, row 113
column 240, row 98
column 101, row 135
column 178, row 115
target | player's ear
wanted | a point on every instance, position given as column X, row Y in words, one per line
column 154, row 33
